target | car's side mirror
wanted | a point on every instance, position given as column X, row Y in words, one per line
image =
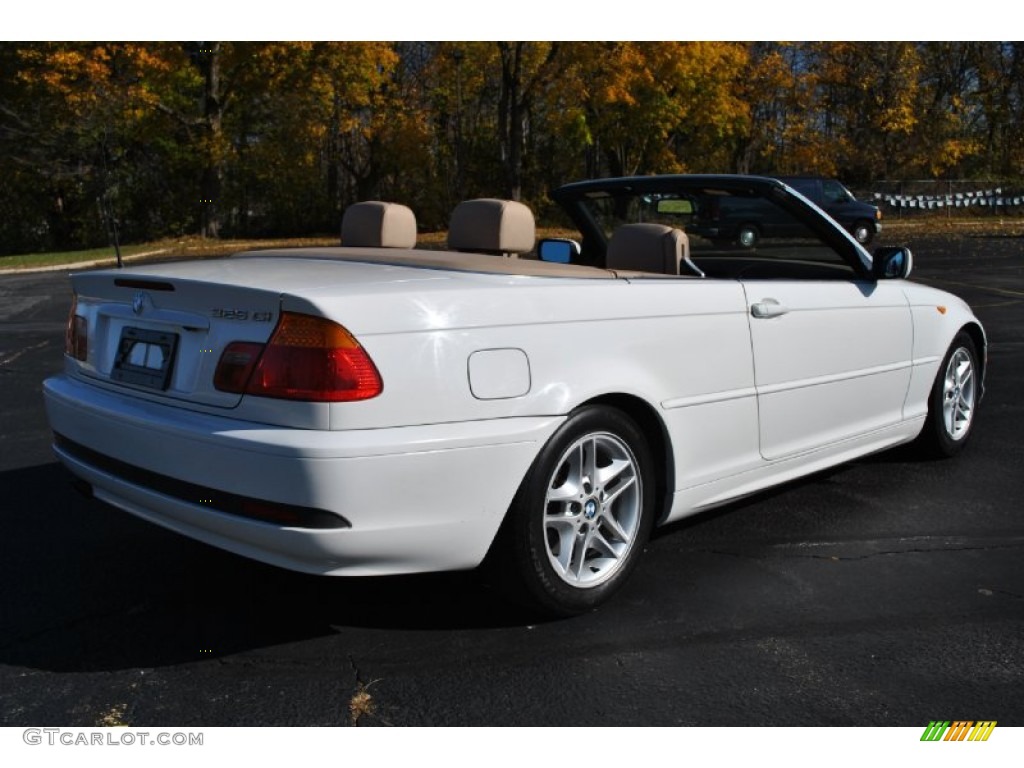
column 558, row 250
column 891, row 262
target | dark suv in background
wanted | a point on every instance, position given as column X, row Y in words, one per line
column 746, row 221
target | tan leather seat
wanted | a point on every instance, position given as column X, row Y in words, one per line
column 651, row 248
column 375, row 224
column 503, row 227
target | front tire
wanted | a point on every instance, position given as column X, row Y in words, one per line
column 581, row 517
column 863, row 232
column 953, row 400
column 748, row 236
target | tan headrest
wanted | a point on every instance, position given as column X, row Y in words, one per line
column 492, row 226
column 378, row 225
column 650, row 248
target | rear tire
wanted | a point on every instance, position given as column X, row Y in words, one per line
column 581, row 517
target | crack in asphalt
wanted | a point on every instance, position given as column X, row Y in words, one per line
column 10, row 358
column 355, row 668
column 1009, row 594
column 257, row 660
column 362, row 704
column 945, row 544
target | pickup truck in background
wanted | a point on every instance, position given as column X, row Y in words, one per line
column 746, row 221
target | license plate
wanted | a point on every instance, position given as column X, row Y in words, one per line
column 145, row 357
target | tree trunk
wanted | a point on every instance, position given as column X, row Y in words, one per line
column 212, row 121
column 616, row 161
column 507, row 108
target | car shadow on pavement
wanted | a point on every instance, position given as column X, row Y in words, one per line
column 86, row 587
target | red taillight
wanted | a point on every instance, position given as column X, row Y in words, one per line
column 76, row 336
column 307, row 358
column 236, row 365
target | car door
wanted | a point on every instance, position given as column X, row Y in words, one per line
column 832, row 359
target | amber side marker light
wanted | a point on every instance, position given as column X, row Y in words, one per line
column 307, row 358
column 942, row 309
column 76, row 334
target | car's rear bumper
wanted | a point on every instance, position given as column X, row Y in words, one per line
column 408, row 499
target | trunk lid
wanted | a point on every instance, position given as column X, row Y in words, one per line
column 158, row 331
column 163, row 336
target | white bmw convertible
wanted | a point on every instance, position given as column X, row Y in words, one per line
column 378, row 408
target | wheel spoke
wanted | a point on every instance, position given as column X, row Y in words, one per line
column 616, row 528
column 589, row 462
column 949, row 415
column 964, row 414
column 599, row 542
column 572, row 469
column 965, row 375
column 605, row 475
column 566, row 491
column 566, row 533
column 625, row 485
column 577, row 557
column 559, row 523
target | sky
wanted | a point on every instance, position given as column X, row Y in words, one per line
column 521, row 20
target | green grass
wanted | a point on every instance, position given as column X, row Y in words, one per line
column 28, row 260
column 191, row 247
column 1006, row 226
column 199, row 248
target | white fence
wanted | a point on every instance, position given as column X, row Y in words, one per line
column 948, row 198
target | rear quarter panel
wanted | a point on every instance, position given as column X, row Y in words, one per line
column 679, row 345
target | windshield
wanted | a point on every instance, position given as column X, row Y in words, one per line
column 730, row 229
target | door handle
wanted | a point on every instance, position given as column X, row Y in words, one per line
column 768, row 308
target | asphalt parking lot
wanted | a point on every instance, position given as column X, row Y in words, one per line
column 885, row 592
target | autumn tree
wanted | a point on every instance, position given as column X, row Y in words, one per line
column 652, row 107
column 267, row 138
column 948, row 134
column 525, row 68
column 778, row 86
column 205, row 88
column 307, row 135
column 999, row 100
column 78, row 118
